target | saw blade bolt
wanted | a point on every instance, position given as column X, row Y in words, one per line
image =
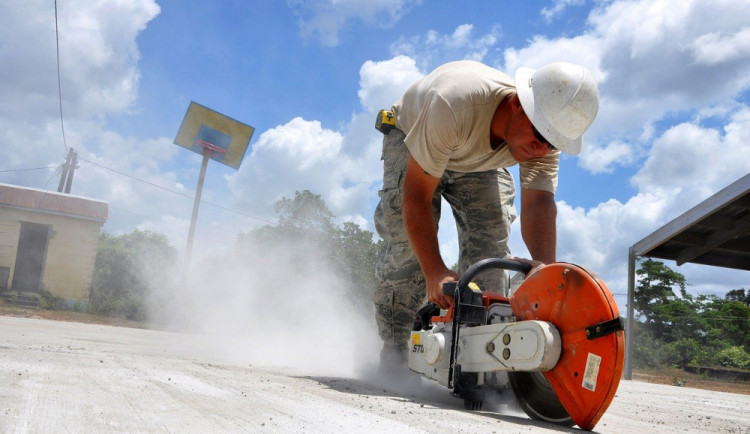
column 506, row 339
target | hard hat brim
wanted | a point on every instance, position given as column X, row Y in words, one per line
column 525, row 91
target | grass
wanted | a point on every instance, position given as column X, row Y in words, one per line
column 678, row 377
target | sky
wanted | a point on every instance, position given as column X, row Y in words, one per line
column 309, row 76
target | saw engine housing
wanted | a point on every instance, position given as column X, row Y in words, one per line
column 559, row 337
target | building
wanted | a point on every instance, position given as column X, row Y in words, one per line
column 48, row 242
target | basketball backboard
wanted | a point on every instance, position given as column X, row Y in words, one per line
column 203, row 125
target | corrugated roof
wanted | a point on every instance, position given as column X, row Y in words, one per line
column 52, row 202
column 714, row 232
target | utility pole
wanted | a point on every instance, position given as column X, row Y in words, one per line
column 72, row 171
column 69, row 168
column 64, row 174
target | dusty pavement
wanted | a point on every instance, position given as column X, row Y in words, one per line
column 70, row 377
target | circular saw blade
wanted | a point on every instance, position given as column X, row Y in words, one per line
column 537, row 399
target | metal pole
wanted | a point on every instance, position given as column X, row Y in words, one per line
column 196, row 204
column 629, row 326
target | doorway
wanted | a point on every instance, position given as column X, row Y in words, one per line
column 30, row 257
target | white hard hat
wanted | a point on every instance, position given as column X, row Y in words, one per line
column 561, row 100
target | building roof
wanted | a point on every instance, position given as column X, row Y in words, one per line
column 714, row 232
column 15, row 196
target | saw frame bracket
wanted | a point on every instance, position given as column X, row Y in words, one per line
column 605, row 328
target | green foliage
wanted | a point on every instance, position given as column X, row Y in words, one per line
column 734, row 357
column 50, row 301
column 128, row 271
column 306, row 236
column 677, row 329
column 655, row 297
column 680, row 353
column 739, row 295
column 646, row 349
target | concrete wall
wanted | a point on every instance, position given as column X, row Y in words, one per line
column 71, row 251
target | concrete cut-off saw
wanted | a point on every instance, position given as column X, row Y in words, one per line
column 559, row 337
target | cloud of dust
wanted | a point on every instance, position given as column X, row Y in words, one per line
column 287, row 306
column 282, row 306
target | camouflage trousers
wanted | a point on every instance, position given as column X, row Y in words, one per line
column 482, row 205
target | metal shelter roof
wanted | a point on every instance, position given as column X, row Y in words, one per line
column 714, row 232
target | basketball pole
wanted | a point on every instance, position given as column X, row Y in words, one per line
column 189, row 248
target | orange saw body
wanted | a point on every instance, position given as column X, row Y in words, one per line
column 559, row 338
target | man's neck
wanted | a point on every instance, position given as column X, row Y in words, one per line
column 500, row 121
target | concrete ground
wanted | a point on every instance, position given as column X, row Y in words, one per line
column 70, row 377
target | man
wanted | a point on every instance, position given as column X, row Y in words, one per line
column 456, row 132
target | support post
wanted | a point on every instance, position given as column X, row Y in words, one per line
column 629, row 326
column 196, row 205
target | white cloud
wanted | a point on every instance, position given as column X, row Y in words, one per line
column 343, row 167
column 715, row 47
column 301, row 151
column 433, row 48
column 686, row 165
column 300, row 155
column 695, row 161
column 383, row 83
column 652, row 59
column 325, row 19
column 99, row 77
column 558, row 8
column 605, row 159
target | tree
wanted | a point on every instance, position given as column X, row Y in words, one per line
column 654, row 296
column 357, row 255
column 739, row 295
column 305, row 213
column 728, row 320
column 679, row 329
column 128, row 271
column 306, row 236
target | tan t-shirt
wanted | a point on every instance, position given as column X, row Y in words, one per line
column 446, row 117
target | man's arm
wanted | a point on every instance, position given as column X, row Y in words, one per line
column 538, row 226
column 419, row 188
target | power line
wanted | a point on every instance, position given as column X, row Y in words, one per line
column 177, row 192
column 137, row 179
column 59, row 86
column 24, row 170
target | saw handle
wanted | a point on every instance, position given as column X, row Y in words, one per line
column 486, row 264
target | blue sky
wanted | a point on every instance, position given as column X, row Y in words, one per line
column 673, row 125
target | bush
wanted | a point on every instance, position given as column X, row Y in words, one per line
column 129, row 272
column 734, row 357
column 681, row 353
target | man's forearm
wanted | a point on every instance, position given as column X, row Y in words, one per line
column 538, row 225
column 422, row 232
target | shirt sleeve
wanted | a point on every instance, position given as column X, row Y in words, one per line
column 434, row 135
column 541, row 173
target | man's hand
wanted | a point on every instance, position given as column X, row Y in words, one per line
column 419, row 189
column 435, row 288
column 535, row 265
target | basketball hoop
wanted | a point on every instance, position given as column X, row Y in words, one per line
column 210, row 148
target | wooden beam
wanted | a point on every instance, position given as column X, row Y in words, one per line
column 741, row 228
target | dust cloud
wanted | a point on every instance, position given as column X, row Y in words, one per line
column 288, row 307
column 279, row 305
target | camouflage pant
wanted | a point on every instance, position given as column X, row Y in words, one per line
column 482, row 205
